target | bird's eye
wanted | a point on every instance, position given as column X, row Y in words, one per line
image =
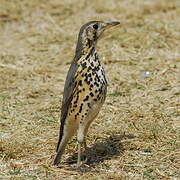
column 95, row 26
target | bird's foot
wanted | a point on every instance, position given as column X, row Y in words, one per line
column 81, row 168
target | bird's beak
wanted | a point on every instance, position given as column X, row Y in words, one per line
column 111, row 24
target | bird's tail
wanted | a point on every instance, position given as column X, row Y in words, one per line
column 59, row 141
column 60, row 149
column 63, row 140
column 58, row 157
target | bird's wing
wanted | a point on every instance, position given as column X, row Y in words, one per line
column 67, row 97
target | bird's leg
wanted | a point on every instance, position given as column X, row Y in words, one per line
column 81, row 140
column 85, row 144
column 79, row 155
column 85, row 147
column 81, row 137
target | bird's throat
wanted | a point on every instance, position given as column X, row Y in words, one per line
column 83, row 47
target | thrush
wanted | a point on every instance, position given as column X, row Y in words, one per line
column 85, row 88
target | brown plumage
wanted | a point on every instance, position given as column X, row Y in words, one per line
column 85, row 88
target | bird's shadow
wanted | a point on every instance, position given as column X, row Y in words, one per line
column 103, row 150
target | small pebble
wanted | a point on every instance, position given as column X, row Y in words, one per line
column 146, row 74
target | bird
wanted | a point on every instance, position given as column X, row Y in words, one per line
column 85, row 88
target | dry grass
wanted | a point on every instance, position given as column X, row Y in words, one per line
column 136, row 135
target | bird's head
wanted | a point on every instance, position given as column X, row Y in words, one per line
column 91, row 31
